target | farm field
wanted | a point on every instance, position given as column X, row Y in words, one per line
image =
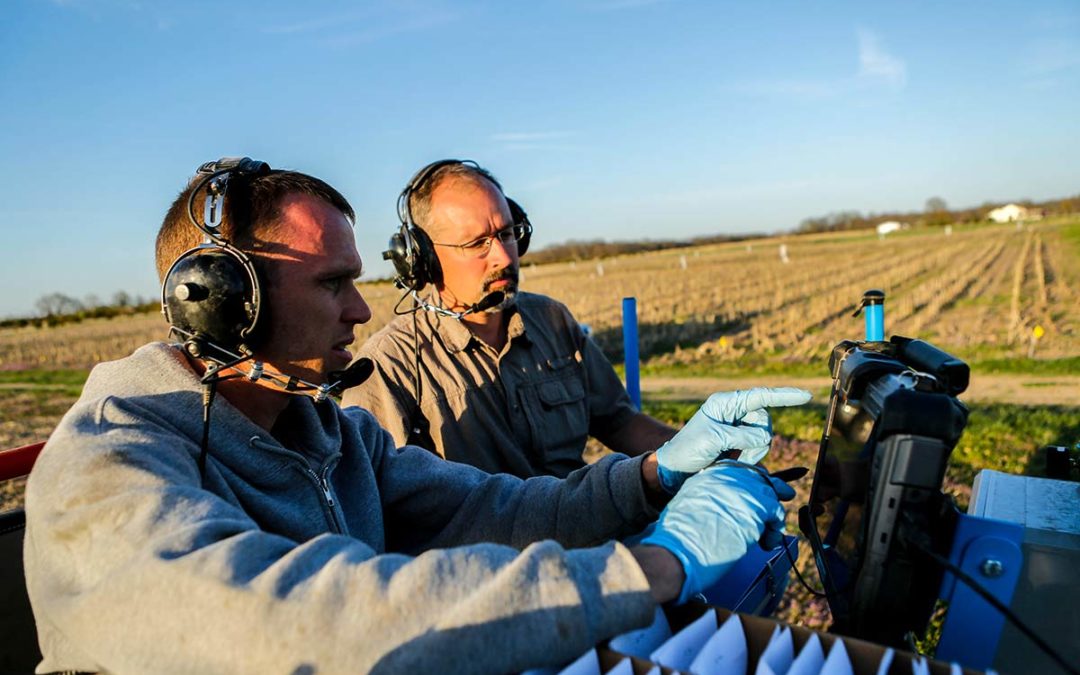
column 979, row 293
column 735, row 314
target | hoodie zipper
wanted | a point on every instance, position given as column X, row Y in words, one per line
column 322, row 481
column 324, row 484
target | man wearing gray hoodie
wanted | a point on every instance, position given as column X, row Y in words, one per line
column 172, row 530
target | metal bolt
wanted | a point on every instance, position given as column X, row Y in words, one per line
column 991, row 568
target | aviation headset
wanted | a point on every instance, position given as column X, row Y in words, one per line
column 212, row 294
column 411, row 249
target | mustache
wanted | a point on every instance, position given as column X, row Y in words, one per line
column 506, row 274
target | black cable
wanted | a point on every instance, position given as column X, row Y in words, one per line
column 768, row 480
column 209, row 389
column 998, row 605
column 419, row 382
column 415, row 308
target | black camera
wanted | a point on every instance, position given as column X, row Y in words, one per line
column 876, row 502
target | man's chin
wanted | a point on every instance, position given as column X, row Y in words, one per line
column 508, row 301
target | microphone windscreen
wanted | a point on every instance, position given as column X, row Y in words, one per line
column 357, row 373
column 488, row 301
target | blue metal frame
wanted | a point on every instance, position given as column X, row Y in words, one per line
column 630, row 350
column 756, row 584
column 989, row 551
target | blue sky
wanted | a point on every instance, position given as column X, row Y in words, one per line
column 615, row 119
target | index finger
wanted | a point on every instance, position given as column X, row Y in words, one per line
column 774, row 397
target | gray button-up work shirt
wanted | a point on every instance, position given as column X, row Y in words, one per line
column 526, row 410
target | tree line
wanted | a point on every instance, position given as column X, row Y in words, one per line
column 589, row 249
column 935, row 213
column 54, row 309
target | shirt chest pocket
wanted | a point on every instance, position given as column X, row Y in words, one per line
column 557, row 413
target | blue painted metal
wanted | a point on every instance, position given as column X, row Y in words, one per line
column 972, row 626
column 630, row 350
column 757, row 582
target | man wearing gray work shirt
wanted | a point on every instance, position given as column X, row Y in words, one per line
column 516, row 388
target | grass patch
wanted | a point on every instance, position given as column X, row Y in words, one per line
column 1009, row 438
column 1071, row 234
column 62, row 377
column 744, row 366
column 67, row 382
column 802, row 423
column 999, row 436
column 1024, row 366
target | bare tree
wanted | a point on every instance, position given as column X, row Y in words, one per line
column 936, row 205
column 55, row 304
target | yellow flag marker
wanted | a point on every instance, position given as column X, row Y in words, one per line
column 1037, row 332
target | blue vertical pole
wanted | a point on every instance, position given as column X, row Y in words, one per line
column 874, row 308
column 630, row 350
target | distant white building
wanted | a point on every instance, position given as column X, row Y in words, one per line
column 888, row 227
column 1009, row 213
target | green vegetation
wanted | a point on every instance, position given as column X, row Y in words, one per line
column 1009, row 438
column 69, row 382
column 1026, row 366
column 749, row 364
column 1071, row 234
column 999, row 436
column 774, row 364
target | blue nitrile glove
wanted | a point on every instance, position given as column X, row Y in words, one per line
column 734, row 420
column 713, row 520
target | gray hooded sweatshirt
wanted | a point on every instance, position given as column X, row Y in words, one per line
column 338, row 554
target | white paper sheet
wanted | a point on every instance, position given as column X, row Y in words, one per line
column 886, row 661
column 778, row 654
column 725, row 651
column 809, row 659
column 586, row 664
column 641, row 643
column 920, row 666
column 678, row 652
column 837, row 662
column 623, row 667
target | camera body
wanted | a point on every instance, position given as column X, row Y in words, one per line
column 893, row 421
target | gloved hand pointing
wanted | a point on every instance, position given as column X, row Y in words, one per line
column 716, row 516
column 734, row 420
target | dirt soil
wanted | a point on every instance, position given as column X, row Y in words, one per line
column 1017, row 389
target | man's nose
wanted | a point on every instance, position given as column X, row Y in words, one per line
column 502, row 254
column 357, row 310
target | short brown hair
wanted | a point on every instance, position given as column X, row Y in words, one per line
column 250, row 205
column 420, row 196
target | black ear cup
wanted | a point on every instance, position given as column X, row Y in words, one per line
column 213, row 293
column 426, row 258
column 521, row 219
column 413, row 256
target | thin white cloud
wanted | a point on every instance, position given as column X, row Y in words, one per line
column 390, row 29
column 616, row 5
column 320, row 23
column 359, row 26
column 876, row 64
column 875, row 67
column 529, row 136
column 528, row 141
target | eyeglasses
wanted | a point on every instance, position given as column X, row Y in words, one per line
column 479, row 248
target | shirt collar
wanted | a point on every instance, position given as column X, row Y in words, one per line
column 458, row 337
